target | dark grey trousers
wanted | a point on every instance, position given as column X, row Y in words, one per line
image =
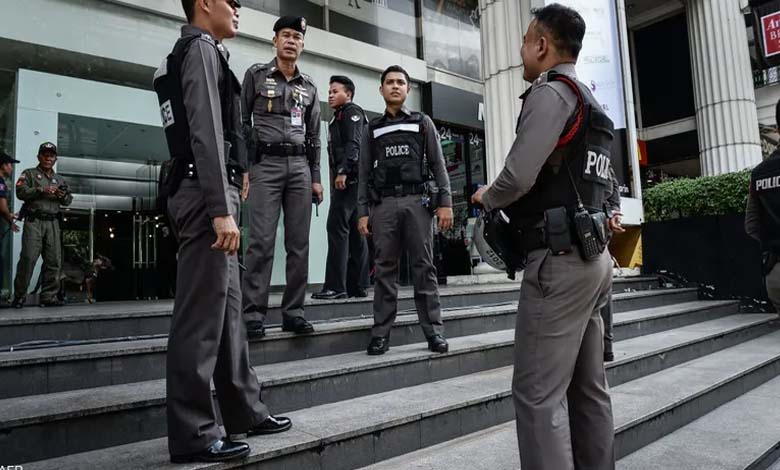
column 606, row 317
column 404, row 222
column 208, row 337
column 560, row 391
column 276, row 184
column 347, row 265
column 773, row 286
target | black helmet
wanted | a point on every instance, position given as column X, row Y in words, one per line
column 495, row 243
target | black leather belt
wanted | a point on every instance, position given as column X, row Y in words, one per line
column 402, row 190
column 280, row 150
column 234, row 175
column 40, row 215
column 532, row 239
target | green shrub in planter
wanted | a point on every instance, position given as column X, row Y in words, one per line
column 707, row 195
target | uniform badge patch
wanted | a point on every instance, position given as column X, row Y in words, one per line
column 166, row 113
column 355, row 118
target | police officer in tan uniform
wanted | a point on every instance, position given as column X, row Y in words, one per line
column 43, row 192
column 553, row 189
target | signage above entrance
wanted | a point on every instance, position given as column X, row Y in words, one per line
column 452, row 105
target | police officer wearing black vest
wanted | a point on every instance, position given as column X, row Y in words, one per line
column 762, row 217
column 346, row 272
column 553, row 189
column 199, row 105
column 403, row 182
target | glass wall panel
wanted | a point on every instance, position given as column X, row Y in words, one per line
column 312, row 9
column 451, row 36
column 7, row 105
column 113, row 226
column 391, row 24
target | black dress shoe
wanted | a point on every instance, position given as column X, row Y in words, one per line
column 220, row 451
column 378, row 345
column 51, row 303
column 255, row 329
column 18, row 302
column 609, row 356
column 360, row 294
column 437, row 343
column 297, row 325
column 327, row 294
column 272, row 425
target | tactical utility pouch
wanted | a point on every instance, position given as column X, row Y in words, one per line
column 768, row 261
column 556, row 231
column 591, row 232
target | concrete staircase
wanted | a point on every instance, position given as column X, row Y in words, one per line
column 98, row 401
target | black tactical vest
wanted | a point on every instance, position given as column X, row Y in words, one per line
column 398, row 152
column 585, row 145
column 167, row 84
column 765, row 185
column 337, row 148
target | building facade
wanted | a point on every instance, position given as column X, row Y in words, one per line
column 79, row 73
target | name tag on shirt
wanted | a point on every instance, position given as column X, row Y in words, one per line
column 296, row 116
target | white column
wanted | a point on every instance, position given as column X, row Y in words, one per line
column 503, row 24
column 723, row 87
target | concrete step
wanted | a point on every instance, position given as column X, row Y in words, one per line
column 49, row 370
column 369, row 429
column 742, row 434
column 123, row 319
column 139, row 409
column 775, row 466
column 645, row 408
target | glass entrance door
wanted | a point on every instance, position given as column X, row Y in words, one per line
column 464, row 154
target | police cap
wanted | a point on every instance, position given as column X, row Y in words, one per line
column 5, row 158
column 47, row 147
column 297, row 23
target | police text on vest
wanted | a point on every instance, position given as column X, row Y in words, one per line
column 765, row 184
column 397, row 151
column 599, row 162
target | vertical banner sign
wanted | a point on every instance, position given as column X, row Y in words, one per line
column 766, row 31
column 599, row 64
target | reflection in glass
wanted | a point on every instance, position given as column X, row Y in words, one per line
column 7, row 104
column 112, row 170
column 391, row 24
column 451, row 36
column 311, row 9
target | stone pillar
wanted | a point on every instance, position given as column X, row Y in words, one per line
column 503, row 24
column 725, row 100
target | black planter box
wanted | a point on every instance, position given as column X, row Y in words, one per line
column 713, row 252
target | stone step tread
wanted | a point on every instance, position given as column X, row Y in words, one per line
column 655, row 393
column 496, row 447
column 691, row 333
column 330, row 423
column 671, row 310
column 731, row 437
column 775, row 466
column 105, row 348
column 63, row 405
column 117, row 310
